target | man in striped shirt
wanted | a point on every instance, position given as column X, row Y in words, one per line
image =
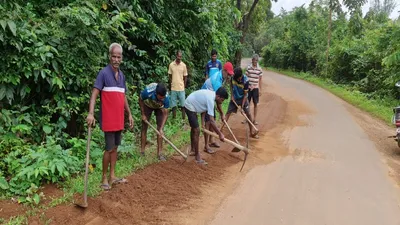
column 254, row 73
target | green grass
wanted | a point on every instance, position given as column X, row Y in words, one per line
column 381, row 108
column 127, row 164
column 17, row 220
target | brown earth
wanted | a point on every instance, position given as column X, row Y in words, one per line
column 175, row 192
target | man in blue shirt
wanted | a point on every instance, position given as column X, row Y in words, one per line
column 214, row 83
column 239, row 89
column 214, row 65
column 154, row 98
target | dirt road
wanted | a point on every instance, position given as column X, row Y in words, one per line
column 335, row 174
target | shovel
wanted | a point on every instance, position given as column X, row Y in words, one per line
column 247, row 146
column 168, row 141
column 235, row 149
column 248, row 120
column 238, row 146
column 85, row 203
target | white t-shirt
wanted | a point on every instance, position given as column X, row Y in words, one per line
column 201, row 101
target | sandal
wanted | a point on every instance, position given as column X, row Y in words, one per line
column 105, row 187
column 209, row 151
column 215, row 145
column 119, row 181
column 162, row 158
column 255, row 136
column 255, row 123
column 201, row 162
column 192, row 153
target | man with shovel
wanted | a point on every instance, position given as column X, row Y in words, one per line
column 154, row 98
column 214, row 83
column 110, row 85
column 239, row 88
column 203, row 101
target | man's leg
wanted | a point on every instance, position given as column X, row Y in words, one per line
column 173, row 103
column 109, row 141
column 247, row 112
column 231, row 109
column 255, row 101
column 255, row 114
column 159, row 118
column 106, row 163
column 182, row 103
column 191, row 132
column 206, row 136
column 249, row 97
column 109, row 158
column 194, row 134
column 143, row 135
column 113, row 159
column 113, row 162
column 143, row 132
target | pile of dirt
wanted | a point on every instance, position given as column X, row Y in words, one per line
column 162, row 192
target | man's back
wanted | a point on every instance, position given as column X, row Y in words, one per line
column 201, row 101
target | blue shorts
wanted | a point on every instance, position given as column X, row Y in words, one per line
column 177, row 96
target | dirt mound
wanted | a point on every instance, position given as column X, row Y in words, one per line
column 162, row 193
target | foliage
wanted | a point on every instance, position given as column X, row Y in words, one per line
column 364, row 53
column 54, row 51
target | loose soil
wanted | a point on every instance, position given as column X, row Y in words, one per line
column 178, row 192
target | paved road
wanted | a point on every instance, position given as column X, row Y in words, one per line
column 334, row 176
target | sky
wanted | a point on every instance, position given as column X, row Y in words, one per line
column 288, row 5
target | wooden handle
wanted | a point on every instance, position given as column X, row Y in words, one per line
column 248, row 120
column 168, row 141
column 87, row 164
column 227, row 141
column 231, row 131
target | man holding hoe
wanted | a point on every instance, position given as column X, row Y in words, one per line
column 239, row 88
column 214, row 83
column 203, row 101
column 154, row 98
column 110, row 84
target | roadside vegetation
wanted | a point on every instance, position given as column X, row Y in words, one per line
column 355, row 56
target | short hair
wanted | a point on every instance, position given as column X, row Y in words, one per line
column 179, row 51
column 161, row 89
column 221, row 92
column 114, row 45
column 238, row 72
column 255, row 56
column 214, row 52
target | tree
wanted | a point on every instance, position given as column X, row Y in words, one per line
column 386, row 7
column 334, row 6
column 247, row 9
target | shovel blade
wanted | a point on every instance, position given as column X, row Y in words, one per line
column 81, row 205
column 235, row 150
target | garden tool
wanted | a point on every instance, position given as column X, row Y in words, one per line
column 248, row 120
column 238, row 146
column 85, row 203
column 168, row 141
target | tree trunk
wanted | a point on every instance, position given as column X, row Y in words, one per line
column 329, row 40
column 242, row 27
column 238, row 54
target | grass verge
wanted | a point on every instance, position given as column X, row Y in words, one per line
column 129, row 161
column 380, row 108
